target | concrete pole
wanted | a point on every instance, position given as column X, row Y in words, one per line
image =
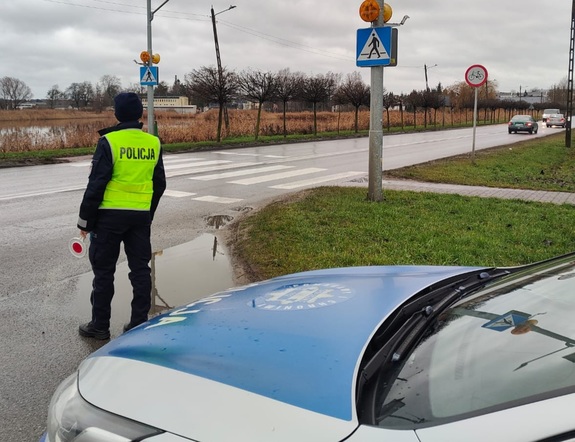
column 375, row 185
column 151, row 124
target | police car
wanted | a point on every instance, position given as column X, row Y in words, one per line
column 383, row 353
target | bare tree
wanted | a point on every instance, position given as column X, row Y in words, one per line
column 205, row 83
column 81, row 94
column 317, row 90
column 288, row 87
column 436, row 100
column 73, row 93
column 162, row 89
column 13, row 92
column 389, row 100
column 136, row 88
column 257, row 87
column 110, row 86
column 413, row 101
column 355, row 92
column 54, row 95
column 178, row 88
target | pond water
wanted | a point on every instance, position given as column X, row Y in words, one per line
column 50, row 134
column 27, row 135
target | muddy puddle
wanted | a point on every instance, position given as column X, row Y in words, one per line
column 180, row 275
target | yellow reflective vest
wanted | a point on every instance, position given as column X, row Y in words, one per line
column 135, row 154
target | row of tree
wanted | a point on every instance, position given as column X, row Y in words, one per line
column 14, row 92
column 208, row 86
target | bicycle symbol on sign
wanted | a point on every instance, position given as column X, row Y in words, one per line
column 476, row 75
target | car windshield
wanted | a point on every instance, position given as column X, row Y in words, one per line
column 506, row 344
column 520, row 118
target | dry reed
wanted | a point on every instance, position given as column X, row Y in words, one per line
column 30, row 130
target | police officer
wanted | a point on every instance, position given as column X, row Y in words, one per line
column 126, row 182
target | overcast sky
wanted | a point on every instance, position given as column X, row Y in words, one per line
column 58, row 42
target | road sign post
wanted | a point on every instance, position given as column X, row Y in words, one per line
column 475, row 76
column 376, row 48
column 373, row 48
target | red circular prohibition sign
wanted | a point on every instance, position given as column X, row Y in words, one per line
column 476, row 75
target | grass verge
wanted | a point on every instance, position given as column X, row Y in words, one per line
column 538, row 164
column 334, row 226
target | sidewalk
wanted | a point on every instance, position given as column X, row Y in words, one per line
column 486, row 192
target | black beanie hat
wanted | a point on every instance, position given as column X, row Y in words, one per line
column 128, row 107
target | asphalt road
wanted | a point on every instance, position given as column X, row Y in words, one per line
column 44, row 289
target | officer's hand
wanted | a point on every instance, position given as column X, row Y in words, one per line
column 83, row 234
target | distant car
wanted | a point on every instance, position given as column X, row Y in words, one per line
column 555, row 120
column 547, row 112
column 370, row 354
column 522, row 123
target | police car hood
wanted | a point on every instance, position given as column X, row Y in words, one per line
column 273, row 361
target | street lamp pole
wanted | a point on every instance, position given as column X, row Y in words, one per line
column 425, row 68
column 520, row 93
column 218, row 58
column 151, row 125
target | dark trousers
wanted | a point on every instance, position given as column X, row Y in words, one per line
column 114, row 227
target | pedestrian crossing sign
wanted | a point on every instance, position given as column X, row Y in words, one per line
column 148, row 75
column 374, row 46
column 507, row 320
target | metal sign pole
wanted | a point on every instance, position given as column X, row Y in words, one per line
column 474, row 126
column 150, row 88
column 475, row 76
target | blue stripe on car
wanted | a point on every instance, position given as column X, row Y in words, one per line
column 297, row 339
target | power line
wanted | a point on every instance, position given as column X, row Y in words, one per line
column 249, row 31
column 284, row 42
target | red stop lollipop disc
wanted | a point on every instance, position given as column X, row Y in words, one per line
column 77, row 247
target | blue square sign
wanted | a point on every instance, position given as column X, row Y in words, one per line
column 374, row 46
column 148, row 75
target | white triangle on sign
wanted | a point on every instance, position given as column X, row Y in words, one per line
column 373, row 49
column 148, row 76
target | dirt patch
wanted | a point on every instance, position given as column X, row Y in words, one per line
column 235, row 233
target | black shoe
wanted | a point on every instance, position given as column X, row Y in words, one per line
column 130, row 326
column 89, row 331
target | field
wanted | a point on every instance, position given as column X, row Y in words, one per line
column 32, row 130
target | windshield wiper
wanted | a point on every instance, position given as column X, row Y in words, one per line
column 422, row 311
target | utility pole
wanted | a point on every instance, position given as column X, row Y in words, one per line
column 218, row 58
column 569, row 111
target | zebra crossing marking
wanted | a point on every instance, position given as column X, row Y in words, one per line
column 323, row 179
column 276, row 176
column 217, row 199
column 178, row 193
column 192, row 171
column 201, row 163
column 252, row 155
column 217, row 176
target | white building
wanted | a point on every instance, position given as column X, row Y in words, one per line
column 178, row 104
